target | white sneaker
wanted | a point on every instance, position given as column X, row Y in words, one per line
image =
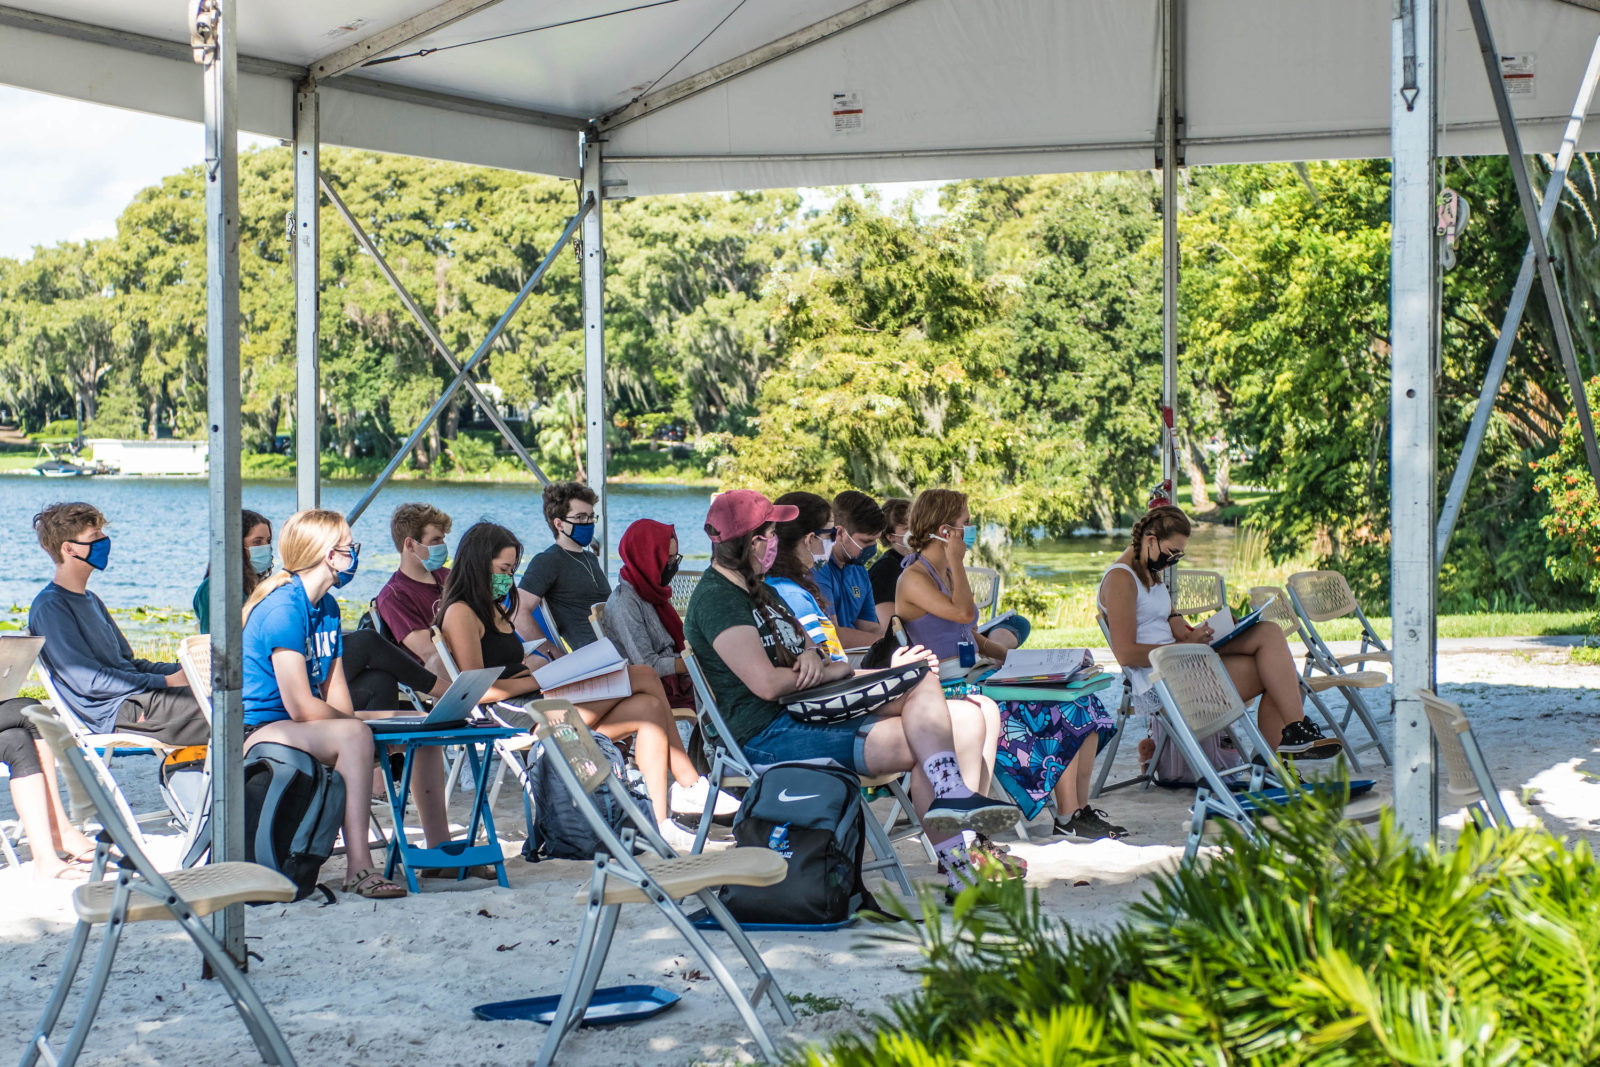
column 691, row 800
column 681, row 840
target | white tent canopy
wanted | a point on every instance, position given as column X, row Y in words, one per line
column 944, row 88
column 636, row 97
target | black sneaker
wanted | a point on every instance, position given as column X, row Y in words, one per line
column 1090, row 824
column 1305, row 739
column 947, row 817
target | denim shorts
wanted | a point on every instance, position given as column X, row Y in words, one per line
column 786, row 738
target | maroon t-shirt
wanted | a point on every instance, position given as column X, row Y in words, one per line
column 406, row 605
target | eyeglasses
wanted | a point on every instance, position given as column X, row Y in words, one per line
column 579, row 520
column 675, row 558
column 1175, row 553
column 352, row 549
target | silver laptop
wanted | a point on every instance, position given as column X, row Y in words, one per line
column 17, row 653
column 449, row 711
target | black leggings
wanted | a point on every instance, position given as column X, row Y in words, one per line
column 375, row 668
column 17, row 736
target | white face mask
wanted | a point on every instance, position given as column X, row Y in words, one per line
column 819, row 558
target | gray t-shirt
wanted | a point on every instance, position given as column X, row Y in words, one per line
column 571, row 583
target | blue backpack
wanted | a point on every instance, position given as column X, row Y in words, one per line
column 559, row 830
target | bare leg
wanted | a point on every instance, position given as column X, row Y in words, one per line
column 63, row 835
column 1072, row 789
column 345, row 745
column 427, row 789
column 33, row 809
column 649, row 722
column 975, row 724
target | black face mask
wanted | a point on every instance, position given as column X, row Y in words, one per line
column 1162, row 561
column 669, row 572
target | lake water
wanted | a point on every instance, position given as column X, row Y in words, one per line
column 159, row 544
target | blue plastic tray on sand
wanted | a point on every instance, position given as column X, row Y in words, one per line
column 706, row 922
column 611, row 1006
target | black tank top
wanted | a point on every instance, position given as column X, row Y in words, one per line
column 503, row 650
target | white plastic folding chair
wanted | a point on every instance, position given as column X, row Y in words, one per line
column 194, row 656
column 663, row 879
column 1123, row 717
column 985, row 585
column 1469, row 784
column 91, row 745
column 6, row 848
column 1198, row 700
column 1199, row 592
column 1324, row 595
column 682, row 587
column 730, row 767
column 140, row 893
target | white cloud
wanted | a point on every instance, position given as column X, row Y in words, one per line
column 69, row 168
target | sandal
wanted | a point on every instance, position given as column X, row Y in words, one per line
column 372, row 885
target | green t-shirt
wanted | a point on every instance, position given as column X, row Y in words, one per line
column 718, row 605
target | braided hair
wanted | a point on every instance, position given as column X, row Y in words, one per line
column 1162, row 522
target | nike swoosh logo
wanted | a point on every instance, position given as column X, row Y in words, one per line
column 783, row 795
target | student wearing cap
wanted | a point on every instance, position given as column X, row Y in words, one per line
column 754, row 651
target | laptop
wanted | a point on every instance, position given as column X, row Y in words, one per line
column 17, row 654
column 449, row 711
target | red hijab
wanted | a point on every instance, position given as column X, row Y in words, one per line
column 643, row 549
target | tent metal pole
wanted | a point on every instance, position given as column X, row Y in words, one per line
column 307, row 302
column 594, row 334
column 1513, row 317
column 1414, row 339
column 1541, row 251
column 468, row 367
column 488, row 409
column 215, row 49
column 1169, row 255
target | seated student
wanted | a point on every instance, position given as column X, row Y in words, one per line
column 90, row 661
column 37, row 800
column 885, row 570
column 1139, row 615
column 842, row 574
column 755, row 651
column 935, row 602
column 294, row 690
column 477, row 626
column 409, row 601
column 257, row 565
column 804, row 543
column 640, row 619
column 568, row 575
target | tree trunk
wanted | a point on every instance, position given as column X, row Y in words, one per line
column 1223, row 475
column 1199, row 499
column 155, row 417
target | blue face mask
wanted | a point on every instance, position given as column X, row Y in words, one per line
column 582, row 533
column 969, row 535
column 344, row 577
column 260, row 559
column 99, row 552
column 867, row 554
column 437, row 556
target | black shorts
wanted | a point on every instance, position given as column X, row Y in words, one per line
column 171, row 716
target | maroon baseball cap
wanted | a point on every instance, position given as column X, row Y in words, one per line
column 736, row 513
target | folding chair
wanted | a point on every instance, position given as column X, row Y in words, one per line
column 1322, row 669
column 682, row 587
column 139, row 893
column 91, row 745
column 1469, row 784
column 730, row 767
column 619, row 877
column 985, row 585
column 1124, row 714
column 1198, row 700
column 6, row 848
column 1199, row 592
column 597, row 618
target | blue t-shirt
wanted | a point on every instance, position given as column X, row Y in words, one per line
column 287, row 619
column 849, row 592
column 816, row 622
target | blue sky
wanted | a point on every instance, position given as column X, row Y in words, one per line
column 69, row 168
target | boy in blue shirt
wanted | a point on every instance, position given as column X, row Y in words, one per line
column 89, row 660
column 843, row 575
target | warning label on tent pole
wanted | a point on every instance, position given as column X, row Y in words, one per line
column 847, row 113
column 1520, row 73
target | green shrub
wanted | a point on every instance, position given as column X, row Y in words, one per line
column 1319, row 945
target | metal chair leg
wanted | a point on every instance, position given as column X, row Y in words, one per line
column 58, row 996
column 902, row 800
column 264, row 1031
column 98, row 980
column 758, row 965
column 720, row 972
column 1333, row 724
column 887, row 859
column 570, row 1010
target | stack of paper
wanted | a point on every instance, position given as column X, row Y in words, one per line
column 594, row 672
column 1034, row 666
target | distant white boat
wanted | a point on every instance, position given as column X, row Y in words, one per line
column 54, row 466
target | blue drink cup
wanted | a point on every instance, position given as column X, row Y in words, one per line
column 967, row 653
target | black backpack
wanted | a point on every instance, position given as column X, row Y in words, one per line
column 559, row 830
column 813, row 814
column 293, row 809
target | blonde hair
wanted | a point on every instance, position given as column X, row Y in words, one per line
column 932, row 509
column 413, row 520
column 305, row 541
column 60, row 523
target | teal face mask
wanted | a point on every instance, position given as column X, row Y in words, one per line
column 500, row 584
column 437, row 556
column 969, row 535
column 261, row 559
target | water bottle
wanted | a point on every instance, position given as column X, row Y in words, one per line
column 967, row 653
column 778, row 840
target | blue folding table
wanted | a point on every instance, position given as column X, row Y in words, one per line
column 462, row 853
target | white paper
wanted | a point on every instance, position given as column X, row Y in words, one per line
column 591, row 661
column 1520, row 72
column 848, row 114
column 1221, row 624
column 1031, row 662
column 612, row 685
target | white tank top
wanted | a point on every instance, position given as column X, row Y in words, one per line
column 1152, row 608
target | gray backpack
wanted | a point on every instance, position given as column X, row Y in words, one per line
column 559, row 830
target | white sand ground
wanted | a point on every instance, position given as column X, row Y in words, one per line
column 364, row 982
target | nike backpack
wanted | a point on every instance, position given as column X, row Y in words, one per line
column 813, row 815
column 293, row 808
